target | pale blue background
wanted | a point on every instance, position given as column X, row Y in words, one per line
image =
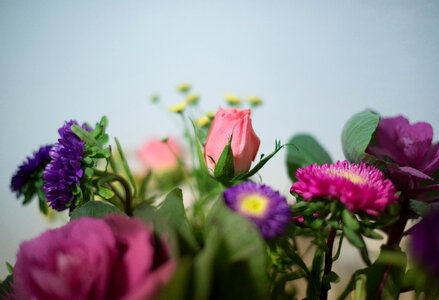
column 315, row 63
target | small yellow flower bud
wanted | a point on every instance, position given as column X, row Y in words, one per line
column 178, row 108
column 154, row 98
column 210, row 115
column 232, row 99
column 203, row 121
column 184, row 87
column 254, row 100
column 192, row 99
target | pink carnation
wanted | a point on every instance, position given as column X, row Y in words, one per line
column 358, row 187
column 158, row 155
column 110, row 258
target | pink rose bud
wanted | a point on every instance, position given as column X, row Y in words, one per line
column 245, row 143
column 110, row 258
column 158, row 155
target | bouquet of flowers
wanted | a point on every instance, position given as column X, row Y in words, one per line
column 207, row 227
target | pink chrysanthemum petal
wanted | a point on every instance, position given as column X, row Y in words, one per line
column 358, row 186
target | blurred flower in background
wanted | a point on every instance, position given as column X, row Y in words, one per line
column 160, row 155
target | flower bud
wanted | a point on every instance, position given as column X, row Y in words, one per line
column 237, row 124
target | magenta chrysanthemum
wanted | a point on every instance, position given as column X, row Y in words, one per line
column 358, row 187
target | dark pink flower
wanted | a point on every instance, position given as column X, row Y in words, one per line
column 358, row 187
column 110, row 258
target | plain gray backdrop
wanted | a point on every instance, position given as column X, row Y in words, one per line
column 314, row 63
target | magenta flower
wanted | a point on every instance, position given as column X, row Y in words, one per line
column 358, row 187
column 110, row 258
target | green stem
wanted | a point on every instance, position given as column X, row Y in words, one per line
column 106, row 176
column 328, row 263
column 395, row 235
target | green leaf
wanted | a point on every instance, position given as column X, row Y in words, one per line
column 353, row 237
column 10, row 268
column 350, row 221
column 246, row 247
column 259, row 165
column 225, row 167
column 313, row 290
column 94, row 209
column 360, row 287
column 303, row 150
column 126, row 167
column 357, row 134
column 178, row 287
column 204, row 265
column 200, row 154
column 172, row 208
column 6, row 287
column 105, row 193
column 85, row 136
column 162, row 226
column 422, row 208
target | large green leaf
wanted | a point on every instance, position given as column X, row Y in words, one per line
column 357, row 134
column 94, row 209
column 173, row 210
column 247, row 250
column 303, row 150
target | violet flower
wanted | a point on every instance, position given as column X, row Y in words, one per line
column 266, row 208
column 65, row 169
column 29, row 168
column 410, row 147
column 425, row 243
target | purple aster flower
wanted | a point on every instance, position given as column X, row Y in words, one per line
column 410, row 147
column 358, row 187
column 425, row 243
column 29, row 169
column 65, row 168
column 262, row 205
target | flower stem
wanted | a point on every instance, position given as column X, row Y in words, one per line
column 395, row 235
column 107, row 176
column 328, row 263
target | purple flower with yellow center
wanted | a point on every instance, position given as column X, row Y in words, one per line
column 410, row 147
column 266, row 208
column 29, row 169
column 358, row 186
column 65, row 169
column 425, row 243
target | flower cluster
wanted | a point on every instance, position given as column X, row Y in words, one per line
column 233, row 238
column 110, row 258
column 28, row 169
column 65, row 168
column 358, row 187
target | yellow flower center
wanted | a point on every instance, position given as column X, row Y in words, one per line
column 254, row 205
column 353, row 177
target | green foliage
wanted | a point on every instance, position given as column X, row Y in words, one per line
column 357, row 134
column 369, row 283
column 225, row 167
column 126, row 167
column 303, row 150
column 172, row 209
column 94, row 209
column 241, row 263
